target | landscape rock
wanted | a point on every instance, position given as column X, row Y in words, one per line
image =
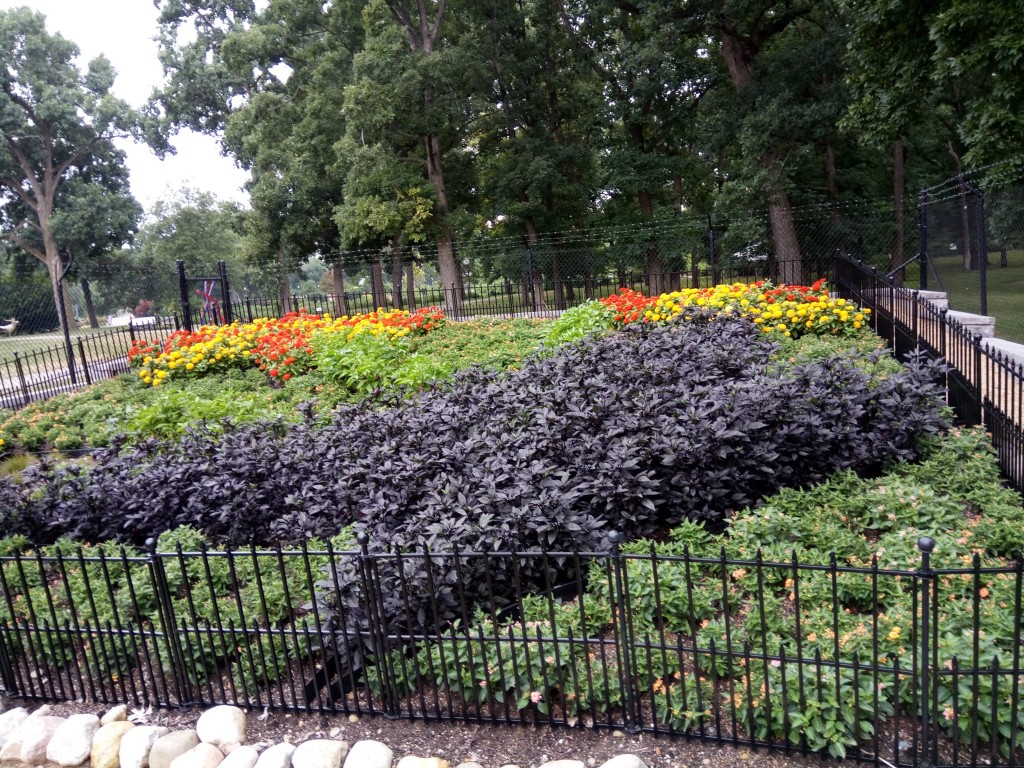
column 11, row 750
column 242, row 757
column 369, row 753
column 72, row 742
column 277, row 756
column 138, row 743
column 10, row 722
column 106, row 744
column 222, row 726
column 319, row 753
column 410, row 761
column 36, row 733
column 564, row 764
column 114, row 714
column 202, row 755
column 624, row 761
column 167, row 748
column 469, row 765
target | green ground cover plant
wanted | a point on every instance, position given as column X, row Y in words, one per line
column 858, row 522
column 367, row 367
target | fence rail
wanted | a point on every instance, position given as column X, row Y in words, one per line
column 983, row 385
column 678, row 645
column 49, row 366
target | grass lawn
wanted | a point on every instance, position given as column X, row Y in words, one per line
column 1005, row 290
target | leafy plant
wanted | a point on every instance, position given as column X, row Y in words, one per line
column 586, row 320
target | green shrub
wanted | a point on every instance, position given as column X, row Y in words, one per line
column 592, row 318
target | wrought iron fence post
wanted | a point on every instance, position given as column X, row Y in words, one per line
column 983, row 247
column 85, row 362
column 225, row 292
column 6, row 668
column 186, row 310
column 62, row 313
column 976, row 341
column 922, row 235
column 162, row 592
column 929, row 750
column 623, row 635
column 21, row 378
column 377, row 626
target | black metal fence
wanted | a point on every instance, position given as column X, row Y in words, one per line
column 864, row 662
column 971, row 242
column 984, row 384
column 50, row 365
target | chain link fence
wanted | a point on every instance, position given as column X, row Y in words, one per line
column 107, row 304
column 973, row 227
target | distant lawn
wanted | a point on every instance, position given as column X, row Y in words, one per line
column 1005, row 290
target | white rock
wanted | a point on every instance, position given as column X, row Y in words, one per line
column 369, row 753
column 138, row 743
column 469, row 765
column 72, row 742
column 624, row 761
column 36, row 733
column 410, row 761
column 222, row 726
column 173, row 745
column 114, row 714
column 10, row 752
column 202, row 755
column 243, row 757
column 319, row 753
column 43, row 711
column 564, row 764
column 277, row 756
column 10, row 722
column 106, row 744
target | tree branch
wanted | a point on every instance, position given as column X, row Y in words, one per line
column 31, row 250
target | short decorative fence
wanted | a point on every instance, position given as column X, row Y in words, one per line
column 913, row 666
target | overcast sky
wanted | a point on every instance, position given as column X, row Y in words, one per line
column 124, row 30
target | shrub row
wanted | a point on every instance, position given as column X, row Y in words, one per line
column 635, row 430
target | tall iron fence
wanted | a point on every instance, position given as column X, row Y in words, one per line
column 971, row 235
column 984, row 385
column 867, row 662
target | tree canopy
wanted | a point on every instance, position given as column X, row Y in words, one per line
column 63, row 189
column 379, row 124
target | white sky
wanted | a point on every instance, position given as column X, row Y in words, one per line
column 124, row 30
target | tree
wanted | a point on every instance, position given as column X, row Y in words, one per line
column 58, row 127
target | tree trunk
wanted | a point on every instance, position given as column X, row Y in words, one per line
column 284, row 289
column 410, row 286
column 652, row 266
column 559, row 281
column 377, row 283
column 90, row 307
column 451, row 276
column 396, row 276
column 532, row 238
column 739, row 54
column 338, row 282
column 898, row 194
column 787, row 246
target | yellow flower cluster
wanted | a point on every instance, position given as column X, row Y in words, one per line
column 791, row 311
